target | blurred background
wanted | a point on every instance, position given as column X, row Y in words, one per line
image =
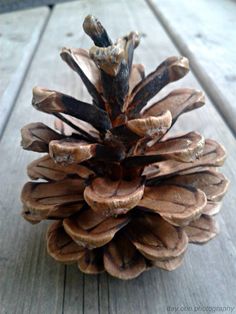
column 13, row 5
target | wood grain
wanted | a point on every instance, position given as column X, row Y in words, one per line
column 19, row 35
column 205, row 31
column 30, row 281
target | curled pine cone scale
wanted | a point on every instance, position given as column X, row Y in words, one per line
column 123, row 195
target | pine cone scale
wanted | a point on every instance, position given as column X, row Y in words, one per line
column 98, row 235
column 60, row 246
column 113, row 198
column 175, row 203
column 159, row 239
column 122, row 260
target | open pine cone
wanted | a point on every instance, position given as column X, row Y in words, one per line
column 124, row 196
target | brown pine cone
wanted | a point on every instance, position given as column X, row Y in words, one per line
column 124, row 196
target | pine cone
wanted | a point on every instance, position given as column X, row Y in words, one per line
column 124, row 196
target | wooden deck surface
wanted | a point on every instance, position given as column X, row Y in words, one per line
column 31, row 282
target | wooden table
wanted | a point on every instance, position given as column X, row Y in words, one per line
column 30, row 41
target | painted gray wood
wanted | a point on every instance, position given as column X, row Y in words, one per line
column 19, row 35
column 30, row 281
column 205, row 31
column 74, row 291
column 12, row 5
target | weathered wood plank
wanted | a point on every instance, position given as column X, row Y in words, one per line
column 74, row 292
column 85, row 293
column 12, row 5
column 208, row 272
column 30, row 281
column 205, row 31
column 19, row 35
